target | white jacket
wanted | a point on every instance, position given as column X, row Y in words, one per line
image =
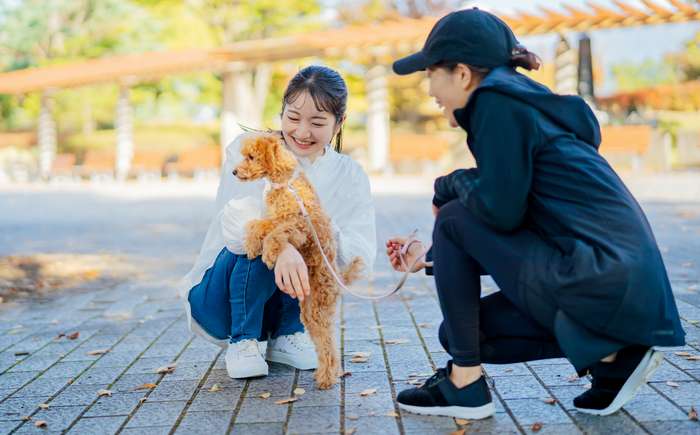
column 342, row 187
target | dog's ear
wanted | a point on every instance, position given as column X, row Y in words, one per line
column 281, row 161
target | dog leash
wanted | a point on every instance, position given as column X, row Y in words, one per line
column 411, row 239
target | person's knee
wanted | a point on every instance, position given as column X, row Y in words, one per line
column 454, row 218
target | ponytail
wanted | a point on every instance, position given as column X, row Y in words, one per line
column 523, row 58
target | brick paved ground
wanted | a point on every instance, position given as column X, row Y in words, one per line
column 141, row 324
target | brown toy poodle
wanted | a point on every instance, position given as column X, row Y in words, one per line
column 264, row 156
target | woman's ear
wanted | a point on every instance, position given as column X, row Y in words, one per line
column 464, row 75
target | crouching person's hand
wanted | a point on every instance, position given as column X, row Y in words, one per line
column 393, row 250
column 291, row 273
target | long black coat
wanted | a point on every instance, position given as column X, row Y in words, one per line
column 538, row 168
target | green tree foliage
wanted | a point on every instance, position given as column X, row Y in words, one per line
column 633, row 76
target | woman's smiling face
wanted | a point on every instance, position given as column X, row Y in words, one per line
column 306, row 129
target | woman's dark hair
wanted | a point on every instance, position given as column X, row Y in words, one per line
column 520, row 57
column 525, row 59
column 328, row 90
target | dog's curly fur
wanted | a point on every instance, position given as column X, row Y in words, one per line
column 264, row 156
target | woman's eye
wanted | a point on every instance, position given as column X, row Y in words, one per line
column 319, row 125
column 293, row 119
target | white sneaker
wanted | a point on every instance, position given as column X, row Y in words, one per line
column 244, row 360
column 295, row 350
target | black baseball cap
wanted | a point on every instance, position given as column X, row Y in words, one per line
column 470, row 36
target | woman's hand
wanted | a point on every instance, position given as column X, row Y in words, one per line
column 291, row 273
column 393, row 248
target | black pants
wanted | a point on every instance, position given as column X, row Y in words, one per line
column 504, row 327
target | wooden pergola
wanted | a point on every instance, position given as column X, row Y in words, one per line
column 373, row 44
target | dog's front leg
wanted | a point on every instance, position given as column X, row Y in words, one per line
column 256, row 231
column 276, row 241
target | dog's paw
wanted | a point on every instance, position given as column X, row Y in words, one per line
column 253, row 247
column 269, row 258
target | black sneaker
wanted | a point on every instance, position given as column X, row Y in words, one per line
column 614, row 384
column 439, row 396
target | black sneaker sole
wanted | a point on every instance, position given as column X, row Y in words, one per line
column 640, row 376
column 467, row 413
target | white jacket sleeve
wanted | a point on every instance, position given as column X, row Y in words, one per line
column 355, row 225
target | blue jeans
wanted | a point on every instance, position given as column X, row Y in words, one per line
column 238, row 299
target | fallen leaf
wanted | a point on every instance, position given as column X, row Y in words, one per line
column 352, row 417
column 550, row 401
column 392, row 414
column 368, row 392
column 285, row 401
column 59, row 336
column 358, row 359
column 462, row 421
column 21, row 353
column 536, row 427
column 145, row 387
column 350, row 431
column 693, row 414
column 508, row 370
column 44, row 406
column 693, row 322
column 40, row 423
column 458, row 432
column 693, row 358
column 107, row 393
column 26, row 418
column 214, row 388
column 672, row 384
column 361, row 354
column 682, row 353
column 143, row 399
column 299, row 391
column 414, row 382
column 166, row 369
column 572, row 378
column 73, row 336
column 397, row 341
column 265, row 395
column 97, row 352
column 424, row 325
column 345, row 374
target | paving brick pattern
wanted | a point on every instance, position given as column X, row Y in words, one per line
column 141, row 326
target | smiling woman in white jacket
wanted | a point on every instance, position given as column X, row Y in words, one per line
column 237, row 302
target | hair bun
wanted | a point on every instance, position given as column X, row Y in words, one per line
column 522, row 57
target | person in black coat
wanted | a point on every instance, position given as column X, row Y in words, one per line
column 578, row 268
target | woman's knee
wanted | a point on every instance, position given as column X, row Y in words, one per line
column 454, row 220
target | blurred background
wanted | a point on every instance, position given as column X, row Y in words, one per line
column 150, row 90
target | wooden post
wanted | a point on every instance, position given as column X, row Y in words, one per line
column 233, row 90
column 125, row 134
column 47, row 136
column 565, row 68
column 377, row 118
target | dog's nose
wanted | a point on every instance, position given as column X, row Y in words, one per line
column 235, row 172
